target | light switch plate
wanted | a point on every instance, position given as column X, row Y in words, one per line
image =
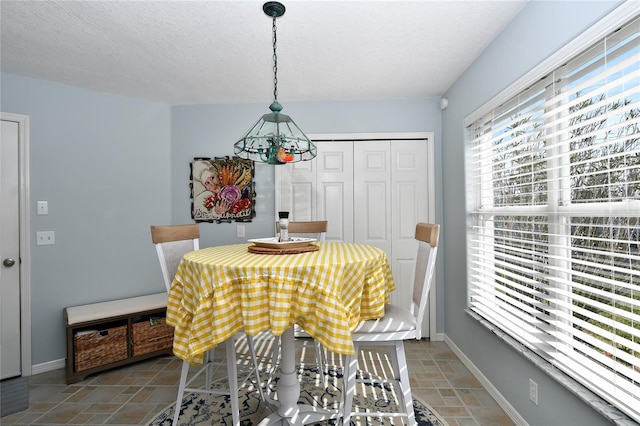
column 45, row 238
column 43, row 207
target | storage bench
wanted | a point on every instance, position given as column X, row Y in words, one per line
column 110, row 334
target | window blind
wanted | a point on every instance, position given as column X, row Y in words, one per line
column 554, row 235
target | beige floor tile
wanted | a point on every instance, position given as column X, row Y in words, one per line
column 62, row 414
column 82, row 418
column 464, row 381
column 98, row 419
column 132, row 414
column 452, row 410
column 468, row 397
column 463, row 421
column 490, row 416
column 47, row 393
column 100, row 408
column 429, row 395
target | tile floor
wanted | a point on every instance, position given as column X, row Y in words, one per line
column 135, row 394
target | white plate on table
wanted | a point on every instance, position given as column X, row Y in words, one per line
column 272, row 242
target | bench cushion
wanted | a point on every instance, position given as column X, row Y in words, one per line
column 115, row 308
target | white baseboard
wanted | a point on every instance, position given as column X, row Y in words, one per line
column 48, row 366
column 502, row 402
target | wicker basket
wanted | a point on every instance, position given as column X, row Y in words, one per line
column 150, row 336
column 100, row 347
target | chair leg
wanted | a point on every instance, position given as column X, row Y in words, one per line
column 232, row 371
column 402, row 373
column 256, row 370
column 320, row 360
column 349, row 385
column 208, row 361
column 275, row 357
column 184, row 373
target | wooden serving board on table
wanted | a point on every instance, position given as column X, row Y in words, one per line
column 283, row 250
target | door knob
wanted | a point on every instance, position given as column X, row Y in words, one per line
column 8, row 262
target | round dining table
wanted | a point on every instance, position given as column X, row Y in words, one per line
column 221, row 290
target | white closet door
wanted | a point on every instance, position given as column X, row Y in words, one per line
column 372, row 194
column 334, row 173
column 409, row 205
column 321, row 189
column 296, row 190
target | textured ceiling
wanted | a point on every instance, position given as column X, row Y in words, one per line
column 196, row 52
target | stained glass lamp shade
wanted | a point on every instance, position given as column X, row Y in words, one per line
column 275, row 138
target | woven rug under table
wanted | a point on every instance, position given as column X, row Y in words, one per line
column 198, row 410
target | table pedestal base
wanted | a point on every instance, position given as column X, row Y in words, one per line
column 289, row 412
column 306, row 414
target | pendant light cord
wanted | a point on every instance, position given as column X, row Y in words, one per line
column 275, row 63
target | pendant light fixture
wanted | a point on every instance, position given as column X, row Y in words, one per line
column 275, row 138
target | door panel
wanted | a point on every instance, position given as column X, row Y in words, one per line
column 332, row 207
column 10, row 345
column 334, row 176
column 296, row 190
column 409, row 201
column 303, row 198
column 372, row 197
column 375, row 225
column 321, row 189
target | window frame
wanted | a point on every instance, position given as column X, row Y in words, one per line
column 610, row 23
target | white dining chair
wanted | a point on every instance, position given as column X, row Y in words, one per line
column 397, row 325
column 172, row 242
column 307, row 229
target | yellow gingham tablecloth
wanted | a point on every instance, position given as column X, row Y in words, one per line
column 219, row 291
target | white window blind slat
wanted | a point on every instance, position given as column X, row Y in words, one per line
column 555, row 299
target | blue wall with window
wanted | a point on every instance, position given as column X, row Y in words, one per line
column 537, row 32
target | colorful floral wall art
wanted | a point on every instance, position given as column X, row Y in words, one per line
column 222, row 189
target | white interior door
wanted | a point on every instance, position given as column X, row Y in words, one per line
column 296, row 192
column 372, row 194
column 410, row 195
column 10, row 344
column 321, row 189
column 335, row 189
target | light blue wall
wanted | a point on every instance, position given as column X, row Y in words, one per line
column 538, row 31
column 103, row 164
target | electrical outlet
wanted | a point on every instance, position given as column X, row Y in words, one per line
column 240, row 231
column 533, row 391
column 45, row 238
